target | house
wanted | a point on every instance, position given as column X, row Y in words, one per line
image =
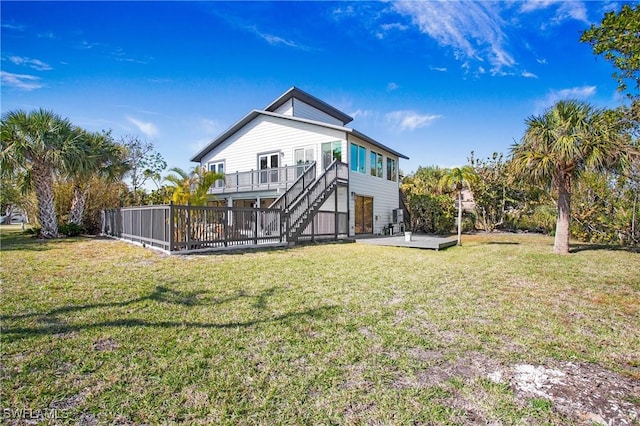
column 298, row 154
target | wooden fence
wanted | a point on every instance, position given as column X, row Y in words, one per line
column 175, row 228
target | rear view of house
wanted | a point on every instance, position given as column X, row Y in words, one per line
column 298, row 154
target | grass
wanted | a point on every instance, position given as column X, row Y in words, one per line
column 99, row 331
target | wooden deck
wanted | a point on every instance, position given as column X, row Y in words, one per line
column 428, row 242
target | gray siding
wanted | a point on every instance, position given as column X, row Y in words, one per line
column 304, row 110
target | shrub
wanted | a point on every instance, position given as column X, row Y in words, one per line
column 70, row 229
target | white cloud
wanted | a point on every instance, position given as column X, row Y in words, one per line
column 121, row 56
column 580, row 93
column 361, row 113
column 527, row 74
column 410, row 120
column 395, row 26
column 472, row 29
column 36, row 64
column 389, row 27
column 339, row 12
column 440, row 69
column 275, row 40
column 86, row 45
column 565, row 9
column 198, row 145
column 148, row 129
column 211, row 127
column 533, row 5
column 574, row 10
column 20, row 81
column 13, row 27
column 392, row 86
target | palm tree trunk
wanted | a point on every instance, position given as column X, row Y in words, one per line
column 459, row 218
column 561, row 244
column 43, row 180
column 77, row 204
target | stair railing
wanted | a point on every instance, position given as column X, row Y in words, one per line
column 306, row 206
column 284, row 201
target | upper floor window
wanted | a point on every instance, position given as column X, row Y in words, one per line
column 302, row 157
column 358, row 158
column 392, row 169
column 376, row 164
column 217, row 167
column 331, row 151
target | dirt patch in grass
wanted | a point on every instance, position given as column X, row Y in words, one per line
column 585, row 392
column 580, row 393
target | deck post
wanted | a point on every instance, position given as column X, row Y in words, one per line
column 172, row 220
column 335, row 213
column 188, row 236
column 225, row 223
column 255, row 226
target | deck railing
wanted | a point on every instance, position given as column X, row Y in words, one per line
column 255, row 180
column 176, row 228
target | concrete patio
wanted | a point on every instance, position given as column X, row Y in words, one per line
column 420, row 241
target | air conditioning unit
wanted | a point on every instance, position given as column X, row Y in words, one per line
column 398, row 215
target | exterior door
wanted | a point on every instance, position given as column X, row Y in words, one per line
column 363, row 215
column 266, row 162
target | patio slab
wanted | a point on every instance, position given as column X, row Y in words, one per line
column 428, row 242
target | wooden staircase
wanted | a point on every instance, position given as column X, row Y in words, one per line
column 303, row 202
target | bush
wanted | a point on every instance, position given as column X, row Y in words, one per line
column 70, row 229
column 468, row 221
column 34, row 230
column 541, row 218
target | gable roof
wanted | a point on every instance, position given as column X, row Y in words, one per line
column 294, row 92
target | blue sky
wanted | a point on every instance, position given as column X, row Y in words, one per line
column 433, row 80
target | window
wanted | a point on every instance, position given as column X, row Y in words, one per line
column 376, row 164
column 358, row 158
column 302, row 157
column 217, row 167
column 392, row 170
column 331, row 151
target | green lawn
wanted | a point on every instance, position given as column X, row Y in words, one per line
column 98, row 331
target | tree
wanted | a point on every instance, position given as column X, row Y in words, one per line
column 103, row 159
column 458, row 178
column 12, row 194
column 618, row 39
column 143, row 163
column 561, row 144
column 427, row 206
column 39, row 143
column 191, row 188
column 493, row 194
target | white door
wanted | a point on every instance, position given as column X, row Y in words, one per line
column 266, row 162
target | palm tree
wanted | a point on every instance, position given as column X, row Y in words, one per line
column 39, row 143
column 458, row 178
column 103, row 159
column 191, row 188
column 559, row 145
